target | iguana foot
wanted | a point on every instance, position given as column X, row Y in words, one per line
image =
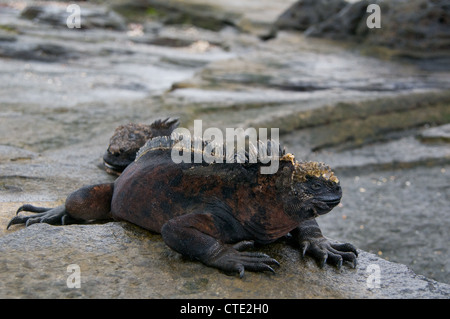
column 311, row 241
column 324, row 251
column 233, row 259
column 52, row 216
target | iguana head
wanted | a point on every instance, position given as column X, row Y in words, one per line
column 313, row 189
column 123, row 146
column 128, row 139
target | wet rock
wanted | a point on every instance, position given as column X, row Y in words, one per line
column 397, row 152
column 170, row 42
column 414, row 25
column 436, row 134
column 417, row 29
column 7, row 36
column 11, row 153
column 305, row 13
column 46, row 52
column 366, row 117
column 90, row 17
column 347, row 125
column 119, row 260
column 252, row 17
column 308, row 65
column 203, row 15
column 342, row 25
column 398, row 213
column 333, row 96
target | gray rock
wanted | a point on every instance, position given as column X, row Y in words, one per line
column 11, row 153
column 305, row 13
column 248, row 16
column 388, row 212
column 418, row 28
column 342, row 25
column 7, row 36
column 204, row 15
column 45, row 52
column 436, row 134
column 119, row 260
column 347, row 125
column 422, row 25
column 90, row 17
column 363, row 116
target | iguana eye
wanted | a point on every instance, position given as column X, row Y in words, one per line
column 316, row 186
column 295, row 193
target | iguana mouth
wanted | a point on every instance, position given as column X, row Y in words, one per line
column 116, row 168
column 332, row 203
column 113, row 169
column 116, row 163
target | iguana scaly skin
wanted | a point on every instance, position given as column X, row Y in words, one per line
column 213, row 212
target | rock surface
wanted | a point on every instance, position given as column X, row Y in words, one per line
column 248, row 16
column 414, row 29
column 118, row 260
column 303, row 14
column 382, row 125
column 58, row 16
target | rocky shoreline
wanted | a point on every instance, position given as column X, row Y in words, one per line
column 381, row 123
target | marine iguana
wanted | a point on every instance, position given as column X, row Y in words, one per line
column 128, row 139
column 212, row 212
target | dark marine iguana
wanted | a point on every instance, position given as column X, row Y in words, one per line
column 212, row 212
column 128, row 139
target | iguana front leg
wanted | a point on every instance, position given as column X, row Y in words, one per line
column 198, row 236
column 309, row 236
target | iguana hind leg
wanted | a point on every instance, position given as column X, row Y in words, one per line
column 88, row 203
column 198, row 236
